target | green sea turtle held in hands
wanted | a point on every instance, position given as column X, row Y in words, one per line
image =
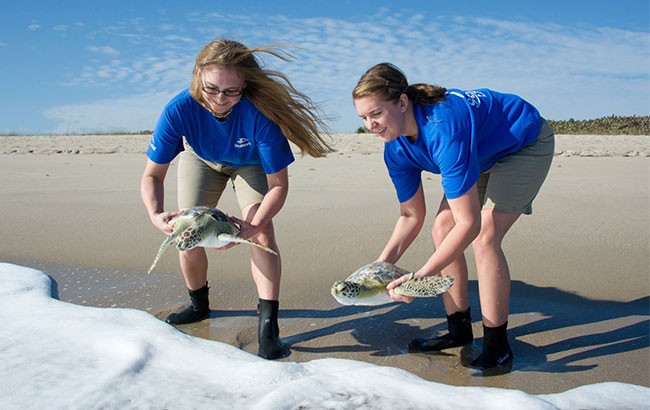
column 367, row 286
column 202, row 226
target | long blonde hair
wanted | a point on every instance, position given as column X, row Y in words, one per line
column 387, row 82
column 270, row 91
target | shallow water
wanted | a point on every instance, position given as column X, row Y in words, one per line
column 554, row 350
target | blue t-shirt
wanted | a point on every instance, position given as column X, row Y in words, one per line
column 465, row 134
column 246, row 138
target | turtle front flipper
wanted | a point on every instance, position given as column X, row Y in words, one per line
column 425, row 287
column 226, row 237
column 163, row 247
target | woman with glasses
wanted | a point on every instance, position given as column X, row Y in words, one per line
column 232, row 124
column 493, row 151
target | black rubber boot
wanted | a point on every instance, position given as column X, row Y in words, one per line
column 197, row 311
column 496, row 349
column 268, row 332
column 460, row 333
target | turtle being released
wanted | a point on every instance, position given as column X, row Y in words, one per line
column 202, row 226
column 367, row 286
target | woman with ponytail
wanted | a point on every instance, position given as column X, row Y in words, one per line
column 234, row 123
column 493, row 152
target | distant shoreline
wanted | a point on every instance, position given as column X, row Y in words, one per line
column 566, row 145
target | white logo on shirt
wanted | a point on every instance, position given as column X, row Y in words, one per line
column 471, row 96
column 242, row 143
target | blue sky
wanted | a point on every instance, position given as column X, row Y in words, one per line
column 85, row 66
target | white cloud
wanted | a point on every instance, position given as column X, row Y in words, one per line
column 104, row 50
column 562, row 70
column 565, row 71
column 34, row 26
column 179, row 39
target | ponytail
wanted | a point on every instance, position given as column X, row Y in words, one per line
column 387, row 82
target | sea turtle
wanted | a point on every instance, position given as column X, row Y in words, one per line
column 202, row 226
column 367, row 285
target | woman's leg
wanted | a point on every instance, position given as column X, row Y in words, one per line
column 194, row 265
column 512, row 185
column 199, row 183
column 250, row 185
column 266, row 271
column 494, row 287
column 265, row 267
column 492, row 267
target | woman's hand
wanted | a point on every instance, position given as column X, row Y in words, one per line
column 161, row 221
column 246, row 230
column 394, row 284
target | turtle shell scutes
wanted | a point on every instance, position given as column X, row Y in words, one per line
column 425, row 287
column 188, row 239
column 377, row 273
column 218, row 215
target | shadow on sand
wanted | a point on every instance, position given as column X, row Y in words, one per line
column 545, row 313
column 386, row 330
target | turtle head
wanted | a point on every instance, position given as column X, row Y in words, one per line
column 346, row 293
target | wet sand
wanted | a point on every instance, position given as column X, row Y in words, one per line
column 580, row 302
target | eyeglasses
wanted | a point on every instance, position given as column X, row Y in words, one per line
column 228, row 92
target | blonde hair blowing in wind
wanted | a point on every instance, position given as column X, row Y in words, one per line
column 270, row 91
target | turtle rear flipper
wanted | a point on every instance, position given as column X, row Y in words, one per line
column 425, row 287
column 163, row 247
column 226, row 237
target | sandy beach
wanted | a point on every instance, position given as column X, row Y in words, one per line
column 580, row 303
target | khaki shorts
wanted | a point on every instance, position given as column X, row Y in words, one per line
column 202, row 182
column 514, row 181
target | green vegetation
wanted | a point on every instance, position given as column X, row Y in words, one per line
column 613, row 125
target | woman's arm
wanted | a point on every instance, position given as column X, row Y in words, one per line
column 412, row 213
column 152, row 191
column 467, row 217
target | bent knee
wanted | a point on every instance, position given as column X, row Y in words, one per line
column 443, row 224
column 485, row 240
column 494, row 226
